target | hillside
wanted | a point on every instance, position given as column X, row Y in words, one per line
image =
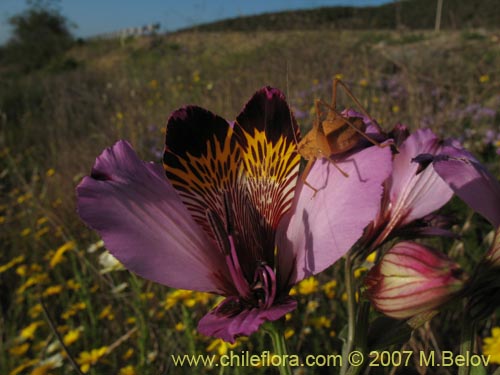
column 411, row 14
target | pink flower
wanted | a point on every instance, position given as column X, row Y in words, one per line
column 471, row 181
column 229, row 218
column 411, row 279
column 409, row 195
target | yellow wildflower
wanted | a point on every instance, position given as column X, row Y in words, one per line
column 2, row 219
column 176, row 296
column 50, row 172
column 37, row 279
column 328, row 289
column 72, row 336
column 308, row 286
column 73, row 309
column 196, row 76
column 41, row 221
column 485, row 78
column 289, row 332
column 58, row 256
column 35, row 311
column 344, row 297
column 146, row 296
column 372, row 257
column 153, row 84
column 42, row 369
column 22, row 270
column 52, row 290
column 129, row 370
column 29, row 331
column 23, row 198
column 73, row 285
column 339, row 76
column 41, row 232
column 56, row 203
column 19, row 350
column 25, row 232
column 312, row 306
column 126, row 356
column 358, row 272
column 220, row 346
column 395, row 108
column 491, row 345
column 94, row 288
column 19, row 369
column 180, row 327
column 107, row 313
column 363, row 82
column 131, row 320
column 119, row 116
column 321, row 322
column 12, row 263
column 87, row 359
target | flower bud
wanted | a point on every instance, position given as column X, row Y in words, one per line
column 493, row 255
column 411, row 279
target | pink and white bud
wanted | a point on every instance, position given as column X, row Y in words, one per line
column 411, row 279
column 493, row 255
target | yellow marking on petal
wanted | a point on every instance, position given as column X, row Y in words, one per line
column 270, row 170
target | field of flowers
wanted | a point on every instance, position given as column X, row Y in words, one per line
column 68, row 306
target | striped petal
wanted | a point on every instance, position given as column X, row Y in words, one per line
column 253, row 162
column 413, row 196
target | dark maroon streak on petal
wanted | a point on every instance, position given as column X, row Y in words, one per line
column 268, row 111
column 190, row 128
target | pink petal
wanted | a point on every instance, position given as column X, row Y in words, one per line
column 471, row 182
column 325, row 226
column 412, row 195
column 243, row 323
column 145, row 225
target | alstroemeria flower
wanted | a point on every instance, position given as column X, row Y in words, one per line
column 409, row 195
column 229, row 219
column 411, row 279
column 471, row 181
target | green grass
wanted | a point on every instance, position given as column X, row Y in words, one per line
column 54, row 124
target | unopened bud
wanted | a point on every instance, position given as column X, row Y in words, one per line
column 411, row 279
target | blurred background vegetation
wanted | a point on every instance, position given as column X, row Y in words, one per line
column 62, row 101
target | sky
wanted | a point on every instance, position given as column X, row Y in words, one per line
column 93, row 17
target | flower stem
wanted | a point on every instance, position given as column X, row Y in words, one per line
column 466, row 339
column 275, row 331
column 351, row 312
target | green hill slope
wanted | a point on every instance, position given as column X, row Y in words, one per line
column 413, row 14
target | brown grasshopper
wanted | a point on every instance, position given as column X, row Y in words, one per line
column 334, row 135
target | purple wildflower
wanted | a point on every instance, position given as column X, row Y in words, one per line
column 229, row 218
